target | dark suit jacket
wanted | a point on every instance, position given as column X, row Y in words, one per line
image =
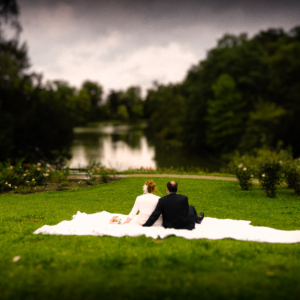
column 175, row 212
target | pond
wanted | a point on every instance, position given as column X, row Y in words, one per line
column 130, row 146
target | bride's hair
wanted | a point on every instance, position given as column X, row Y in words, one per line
column 150, row 186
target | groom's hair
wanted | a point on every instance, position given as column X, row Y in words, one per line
column 172, row 186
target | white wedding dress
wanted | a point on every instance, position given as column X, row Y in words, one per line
column 98, row 224
column 145, row 204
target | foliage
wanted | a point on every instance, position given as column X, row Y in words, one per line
column 14, row 176
column 165, row 108
column 269, row 177
column 30, row 178
column 9, row 11
column 225, row 116
column 122, row 113
column 32, row 117
column 93, row 267
column 36, row 119
column 244, row 176
column 105, row 177
column 271, row 167
column 124, row 105
column 292, row 173
column 261, row 125
column 244, row 95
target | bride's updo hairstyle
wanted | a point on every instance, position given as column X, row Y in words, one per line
column 150, row 186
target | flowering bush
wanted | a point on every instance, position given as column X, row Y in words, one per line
column 269, row 176
column 244, row 175
column 271, row 167
column 12, row 177
column 242, row 167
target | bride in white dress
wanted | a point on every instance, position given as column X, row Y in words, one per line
column 145, row 204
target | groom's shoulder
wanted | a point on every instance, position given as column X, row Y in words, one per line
column 178, row 196
column 163, row 198
column 181, row 196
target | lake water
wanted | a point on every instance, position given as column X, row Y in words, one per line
column 128, row 146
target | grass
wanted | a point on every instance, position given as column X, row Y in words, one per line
column 176, row 172
column 87, row 267
column 170, row 171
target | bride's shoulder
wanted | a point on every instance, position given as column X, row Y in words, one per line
column 147, row 196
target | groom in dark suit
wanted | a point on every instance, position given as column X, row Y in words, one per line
column 175, row 210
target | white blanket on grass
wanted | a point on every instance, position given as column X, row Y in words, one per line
column 211, row 228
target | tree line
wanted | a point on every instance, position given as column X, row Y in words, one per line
column 244, row 95
column 36, row 119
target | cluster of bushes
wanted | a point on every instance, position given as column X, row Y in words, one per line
column 12, row 177
column 28, row 178
column 271, row 168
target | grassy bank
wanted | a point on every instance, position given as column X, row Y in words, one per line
column 85, row 267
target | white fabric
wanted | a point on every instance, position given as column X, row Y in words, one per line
column 145, row 204
column 211, row 228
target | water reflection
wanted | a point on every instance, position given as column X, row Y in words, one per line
column 117, row 147
column 127, row 146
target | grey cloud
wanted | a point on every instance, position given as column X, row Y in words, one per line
column 52, row 27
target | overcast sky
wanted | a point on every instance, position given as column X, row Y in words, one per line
column 120, row 43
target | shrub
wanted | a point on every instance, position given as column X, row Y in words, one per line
column 242, row 167
column 270, row 166
column 105, row 177
column 244, row 176
column 291, row 169
column 11, row 177
column 269, row 175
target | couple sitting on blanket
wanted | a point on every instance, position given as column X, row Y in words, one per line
column 171, row 211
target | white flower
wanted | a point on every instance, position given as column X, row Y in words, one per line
column 27, row 181
column 5, row 182
column 251, row 175
column 240, row 165
column 280, row 161
column 245, row 169
column 16, row 258
column 24, row 174
column 33, row 179
column 39, row 164
column 263, row 175
column 145, row 189
column 9, row 185
column 38, row 169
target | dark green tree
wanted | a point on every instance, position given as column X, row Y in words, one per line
column 165, row 108
column 225, row 115
column 94, row 93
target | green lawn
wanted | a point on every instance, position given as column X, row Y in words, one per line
column 87, row 267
